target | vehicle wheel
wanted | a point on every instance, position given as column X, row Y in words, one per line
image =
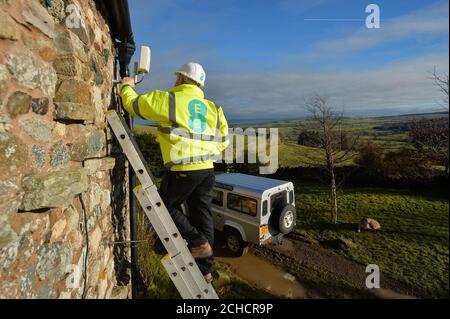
column 286, row 221
column 235, row 245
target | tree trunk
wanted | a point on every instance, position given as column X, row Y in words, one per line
column 333, row 199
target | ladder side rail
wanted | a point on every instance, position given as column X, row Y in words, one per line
column 130, row 148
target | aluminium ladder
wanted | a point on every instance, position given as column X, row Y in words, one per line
column 178, row 262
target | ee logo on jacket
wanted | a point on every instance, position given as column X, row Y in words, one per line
column 197, row 120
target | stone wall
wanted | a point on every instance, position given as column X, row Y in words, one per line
column 62, row 188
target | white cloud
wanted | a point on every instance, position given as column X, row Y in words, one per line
column 396, row 88
column 429, row 21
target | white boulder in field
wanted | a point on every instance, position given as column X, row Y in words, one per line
column 368, row 224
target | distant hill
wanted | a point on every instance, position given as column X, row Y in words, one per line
column 443, row 113
column 390, row 131
column 283, row 122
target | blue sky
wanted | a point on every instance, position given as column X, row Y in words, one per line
column 263, row 57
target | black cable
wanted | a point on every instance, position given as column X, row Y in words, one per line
column 139, row 81
column 83, row 295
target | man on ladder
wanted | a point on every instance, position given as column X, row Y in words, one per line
column 192, row 132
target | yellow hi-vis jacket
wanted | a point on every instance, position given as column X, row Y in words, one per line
column 192, row 130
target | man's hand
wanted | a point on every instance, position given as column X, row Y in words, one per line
column 128, row 80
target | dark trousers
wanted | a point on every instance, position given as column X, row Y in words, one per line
column 194, row 188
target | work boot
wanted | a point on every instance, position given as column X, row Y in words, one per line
column 208, row 277
column 202, row 251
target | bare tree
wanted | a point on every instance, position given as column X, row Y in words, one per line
column 431, row 142
column 441, row 81
column 431, row 138
column 329, row 123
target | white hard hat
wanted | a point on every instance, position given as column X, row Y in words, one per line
column 193, row 71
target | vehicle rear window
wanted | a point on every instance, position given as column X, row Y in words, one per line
column 278, row 201
column 242, row 204
column 264, row 208
column 217, row 197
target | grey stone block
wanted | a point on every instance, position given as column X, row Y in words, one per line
column 55, row 189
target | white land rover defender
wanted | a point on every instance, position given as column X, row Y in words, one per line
column 252, row 209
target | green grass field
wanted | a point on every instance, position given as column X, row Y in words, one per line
column 294, row 155
column 388, row 131
column 413, row 244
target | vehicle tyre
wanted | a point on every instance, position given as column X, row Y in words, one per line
column 235, row 244
column 286, row 221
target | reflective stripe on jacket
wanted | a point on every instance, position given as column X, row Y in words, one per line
column 192, row 130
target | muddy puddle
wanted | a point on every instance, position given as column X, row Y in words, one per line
column 262, row 274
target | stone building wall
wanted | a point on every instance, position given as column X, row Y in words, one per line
column 62, row 186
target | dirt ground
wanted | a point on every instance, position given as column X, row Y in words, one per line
column 297, row 269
